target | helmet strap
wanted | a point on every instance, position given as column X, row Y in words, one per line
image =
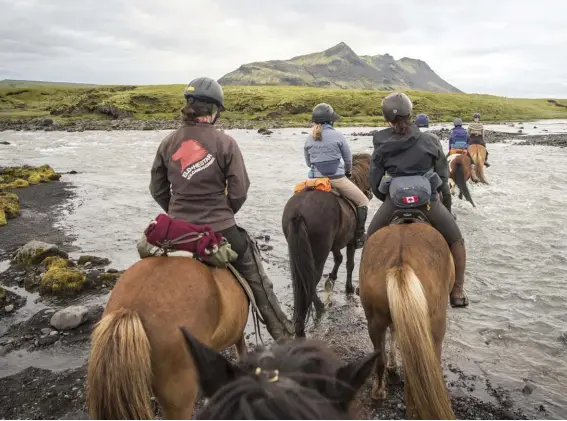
column 217, row 115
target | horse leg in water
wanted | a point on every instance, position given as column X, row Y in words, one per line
column 377, row 330
column 351, row 249
column 330, row 282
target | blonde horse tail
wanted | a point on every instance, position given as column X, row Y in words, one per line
column 479, row 158
column 425, row 386
column 120, row 371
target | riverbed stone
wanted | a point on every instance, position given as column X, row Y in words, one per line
column 35, row 252
column 69, row 318
column 9, row 308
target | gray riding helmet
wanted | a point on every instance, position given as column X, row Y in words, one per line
column 458, row 122
column 207, row 90
column 324, row 113
column 396, row 104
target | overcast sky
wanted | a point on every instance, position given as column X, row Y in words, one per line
column 504, row 47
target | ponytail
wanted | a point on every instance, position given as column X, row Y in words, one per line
column 317, row 132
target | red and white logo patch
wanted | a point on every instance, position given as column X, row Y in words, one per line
column 410, row 200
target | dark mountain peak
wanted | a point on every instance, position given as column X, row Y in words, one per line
column 341, row 49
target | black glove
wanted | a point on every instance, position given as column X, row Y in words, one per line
column 348, row 174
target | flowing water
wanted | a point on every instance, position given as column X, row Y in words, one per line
column 515, row 328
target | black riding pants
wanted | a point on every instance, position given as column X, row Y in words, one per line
column 438, row 215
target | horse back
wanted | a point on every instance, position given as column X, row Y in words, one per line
column 169, row 292
column 418, row 246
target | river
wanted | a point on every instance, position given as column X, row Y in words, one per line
column 516, row 326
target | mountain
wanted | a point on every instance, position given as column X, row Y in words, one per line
column 341, row 67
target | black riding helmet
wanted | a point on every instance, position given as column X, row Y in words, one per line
column 396, row 104
column 324, row 113
column 205, row 89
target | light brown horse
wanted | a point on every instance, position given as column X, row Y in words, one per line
column 478, row 154
column 314, row 224
column 406, row 275
column 137, row 347
column 459, row 173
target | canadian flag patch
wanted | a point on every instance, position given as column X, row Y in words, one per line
column 409, row 200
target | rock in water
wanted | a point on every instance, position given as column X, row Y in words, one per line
column 69, row 318
column 9, row 308
column 35, row 252
column 265, row 132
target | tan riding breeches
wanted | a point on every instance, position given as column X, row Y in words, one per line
column 349, row 190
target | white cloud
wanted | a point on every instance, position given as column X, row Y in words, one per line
column 506, row 47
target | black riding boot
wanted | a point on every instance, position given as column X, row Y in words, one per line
column 458, row 296
column 360, row 236
column 250, row 266
column 486, row 164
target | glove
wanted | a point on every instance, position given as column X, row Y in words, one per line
column 348, row 175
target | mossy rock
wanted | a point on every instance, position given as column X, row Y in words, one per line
column 35, row 252
column 61, row 281
column 55, row 262
column 2, row 293
column 109, row 278
column 19, row 177
column 9, row 207
column 94, row 260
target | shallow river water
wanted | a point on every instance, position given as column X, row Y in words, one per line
column 516, row 326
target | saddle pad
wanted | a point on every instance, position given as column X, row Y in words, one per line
column 321, row 184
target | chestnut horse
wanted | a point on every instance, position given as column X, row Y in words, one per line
column 137, row 347
column 478, row 154
column 406, row 275
column 459, row 173
column 314, row 224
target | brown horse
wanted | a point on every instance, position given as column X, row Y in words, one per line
column 137, row 347
column 478, row 154
column 459, row 173
column 314, row 224
column 406, row 275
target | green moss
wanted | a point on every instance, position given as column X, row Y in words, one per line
column 2, row 293
column 285, row 104
column 9, row 207
column 61, row 281
column 15, row 177
column 55, row 262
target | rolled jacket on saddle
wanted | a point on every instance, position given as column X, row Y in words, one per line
column 324, row 149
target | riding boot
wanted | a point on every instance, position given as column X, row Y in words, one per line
column 360, row 236
column 458, row 296
column 251, row 268
column 486, row 164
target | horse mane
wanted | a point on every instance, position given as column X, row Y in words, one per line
column 306, row 377
column 360, row 168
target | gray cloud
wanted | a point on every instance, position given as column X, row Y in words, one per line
column 504, row 47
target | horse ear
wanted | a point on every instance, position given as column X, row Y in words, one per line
column 214, row 370
column 352, row 376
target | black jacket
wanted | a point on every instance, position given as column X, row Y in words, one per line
column 412, row 154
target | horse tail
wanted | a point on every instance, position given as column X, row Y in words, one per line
column 424, row 382
column 479, row 158
column 461, row 182
column 120, row 370
column 303, row 272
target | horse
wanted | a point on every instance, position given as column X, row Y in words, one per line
column 298, row 379
column 406, row 275
column 314, row 224
column 459, row 174
column 478, row 154
column 137, row 347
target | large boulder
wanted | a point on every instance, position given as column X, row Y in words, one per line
column 34, row 252
column 69, row 318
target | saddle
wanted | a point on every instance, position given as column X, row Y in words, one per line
column 324, row 184
column 409, row 216
column 166, row 236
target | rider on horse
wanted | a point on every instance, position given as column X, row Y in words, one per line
column 459, row 140
column 401, row 151
column 422, row 120
column 192, row 168
column 476, row 133
column 324, row 149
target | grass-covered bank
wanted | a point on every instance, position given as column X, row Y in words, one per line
column 287, row 106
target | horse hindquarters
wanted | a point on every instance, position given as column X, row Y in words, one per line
column 119, row 369
column 425, row 388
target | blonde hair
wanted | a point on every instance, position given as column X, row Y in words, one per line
column 317, row 132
